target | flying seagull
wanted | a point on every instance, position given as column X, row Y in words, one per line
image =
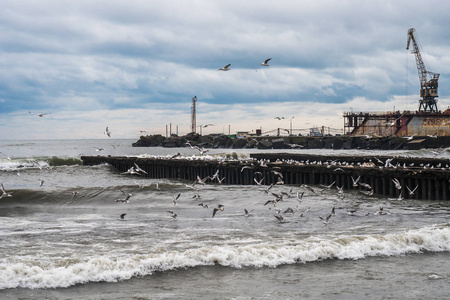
column 219, row 207
column 265, row 63
column 4, row 193
column 226, row 68
column 122, row 217
column 107, row 132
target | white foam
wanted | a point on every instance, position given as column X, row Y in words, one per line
column 65, row 272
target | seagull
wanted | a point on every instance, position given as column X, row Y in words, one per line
column 325, row 220
column 219, row 207
column 41, row 182
column 398, row 186
column 203, row 205
column 157, row 186
column 308, row 187
column 366, row 185
column 220, row 180
column 127, row 198
column 226, row 68
column 400, row 197
column 175, row 198
column 247, row 213
column 355, row 181
column 107, row 132
column 258, row 182
column 131, row 171
column 266, row 191
column 122, row 217
column 288, row 210
column 411, row 192
column 202, row 181
column 280, row 218
column 278, row 174
column 4, row 193
column 174, row 215
column 265, row 63
column 300, row 196
column 98, row 149
column 279, row 118
column 138, row 169
column 328, row 186
column 380, row 211
column 75, row 193
column 7, row 157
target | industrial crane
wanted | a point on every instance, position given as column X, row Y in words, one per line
column 428, row 88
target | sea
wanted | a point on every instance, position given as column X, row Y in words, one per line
column 62, row 236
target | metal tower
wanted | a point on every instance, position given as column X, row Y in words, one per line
column 193, row 115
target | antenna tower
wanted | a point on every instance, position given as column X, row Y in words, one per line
column 193, row 115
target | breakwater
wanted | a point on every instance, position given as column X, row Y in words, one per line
column 417, row 178
column 293, row 142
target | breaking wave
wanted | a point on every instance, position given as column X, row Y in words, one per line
column 57, row 273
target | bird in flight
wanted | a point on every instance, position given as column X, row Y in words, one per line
column 266, row 62
column 226, row 68
column 107, row 132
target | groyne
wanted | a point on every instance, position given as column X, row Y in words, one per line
column 290, row 142
column 429, row 178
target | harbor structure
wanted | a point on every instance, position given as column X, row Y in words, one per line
column 426, row 121
column 387, row 176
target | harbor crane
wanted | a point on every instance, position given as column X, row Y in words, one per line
column 428, row 87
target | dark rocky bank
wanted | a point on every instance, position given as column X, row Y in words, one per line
column 292, row 142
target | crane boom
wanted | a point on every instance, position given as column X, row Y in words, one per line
column 428, row 88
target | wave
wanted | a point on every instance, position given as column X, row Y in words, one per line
column 37, row 162
column 108, row 268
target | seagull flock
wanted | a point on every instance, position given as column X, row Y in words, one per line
column 284, row 201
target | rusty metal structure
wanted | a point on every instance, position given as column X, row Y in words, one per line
column 405, row 123
column 427, row 121
column 428, row 87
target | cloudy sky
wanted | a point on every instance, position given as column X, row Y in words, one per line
column 135, row 65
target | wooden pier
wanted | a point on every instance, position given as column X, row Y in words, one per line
column 431, row 176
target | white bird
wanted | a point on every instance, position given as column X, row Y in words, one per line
column 138, row 169
column 226, row 68
column 258, row 182
column 411, row 192
column 107, row 132
column 7, row 157
column 265, row 63
column 398, row 186
column 355, row 181
column 4, row 193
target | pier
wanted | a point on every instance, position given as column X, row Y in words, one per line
column 431, row 176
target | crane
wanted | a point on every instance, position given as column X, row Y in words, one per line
column 428, row 87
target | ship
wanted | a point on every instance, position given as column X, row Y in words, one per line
column 426, row 121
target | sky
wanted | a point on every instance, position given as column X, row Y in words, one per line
column 135, row 65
